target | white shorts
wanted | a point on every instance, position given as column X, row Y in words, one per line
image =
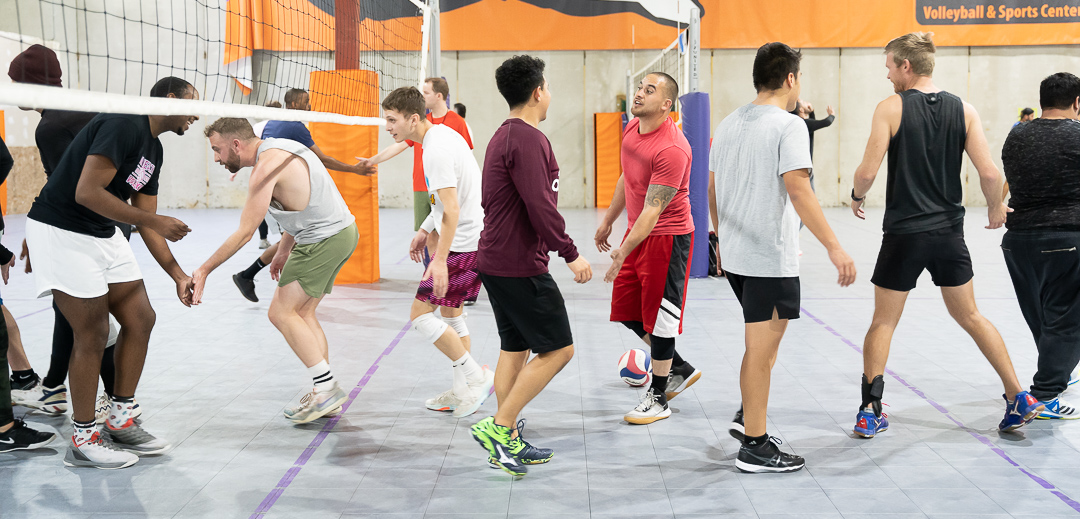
column 78, row 265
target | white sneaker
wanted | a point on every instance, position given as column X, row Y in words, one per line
column 96, row 453
column 318, row 404
column 264, row 244
column 445, row 401
column 1075, row 377
column 104, row 404
column 649, row 410
column 32, row 397
column 290, row 411
column 53, row 400
column 477, row 395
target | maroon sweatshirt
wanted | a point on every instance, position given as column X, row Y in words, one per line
column 520, row 199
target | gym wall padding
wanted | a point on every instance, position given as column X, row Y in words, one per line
column 345, row 143
column 695, row 125
column 608, row 142
column 3, row 187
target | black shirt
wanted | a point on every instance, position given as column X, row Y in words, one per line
column 1042, row 165
column 55, row 132
column 923, row 189
column 126, row 141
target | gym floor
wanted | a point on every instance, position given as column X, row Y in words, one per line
column 218, row 376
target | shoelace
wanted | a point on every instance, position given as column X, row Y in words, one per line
column 648, row 400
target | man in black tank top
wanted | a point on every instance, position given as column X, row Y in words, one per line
column 926, row 132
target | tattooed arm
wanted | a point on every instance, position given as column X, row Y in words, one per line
column 657, row 199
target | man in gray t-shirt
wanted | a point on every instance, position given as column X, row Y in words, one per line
column 759, row 176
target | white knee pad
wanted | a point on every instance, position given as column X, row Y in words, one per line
column 429, row 326
column 458, row 324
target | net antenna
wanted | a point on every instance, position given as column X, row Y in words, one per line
column 239, row 54
column 681, row 60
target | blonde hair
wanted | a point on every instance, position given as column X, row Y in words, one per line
column 230, row 127
column 917, row 48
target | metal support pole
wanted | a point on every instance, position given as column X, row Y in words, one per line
column 435, row 48
column 694, row 48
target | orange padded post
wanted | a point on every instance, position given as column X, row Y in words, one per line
column 3, row 187
column 352, row 92
column 608, row 145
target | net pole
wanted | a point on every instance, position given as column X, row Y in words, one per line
column 436, row 44
column 425, row 31
column 629, row 93
column 694, row 49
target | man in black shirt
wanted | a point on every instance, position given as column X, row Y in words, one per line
column 1042, row 165
column 926, row 132
column 38, row 65
column 91, row 271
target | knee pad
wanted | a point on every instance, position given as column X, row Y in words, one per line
column 871, row 393
column 637, row 327
column 458, row 324
column 663, row 348
column 429, row 326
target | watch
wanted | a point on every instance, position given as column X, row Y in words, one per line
column 855, row 198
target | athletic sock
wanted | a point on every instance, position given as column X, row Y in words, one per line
column 23, row 377
column 83, row 432
column 250, row 272
column 755, row 441
column 117, row 417
column 659, row 387
column 470, row 371
column 321, row 376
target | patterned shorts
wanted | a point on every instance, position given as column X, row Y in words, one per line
column 464, row 282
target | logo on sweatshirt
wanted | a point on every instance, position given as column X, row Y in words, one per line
column 138, row 178
column 555, row 185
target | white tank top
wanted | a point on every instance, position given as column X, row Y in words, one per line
column 326, row 213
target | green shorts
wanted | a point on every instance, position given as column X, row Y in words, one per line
column 421, row 208
column 315, row 265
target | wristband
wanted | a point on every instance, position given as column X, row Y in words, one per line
column 855, row 198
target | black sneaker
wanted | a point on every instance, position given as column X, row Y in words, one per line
column 767, row 457
column 22, row 438
column 737, row 429
column 246, row 286
column 25, row 385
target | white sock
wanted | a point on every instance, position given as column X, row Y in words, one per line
column 461, row 384
column 321, row 376
column 83, row 433
column 472, row 371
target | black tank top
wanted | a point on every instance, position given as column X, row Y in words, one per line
column 923, row 189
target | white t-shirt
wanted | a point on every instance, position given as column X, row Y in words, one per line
column 258, row 128
column 759, row 228
column 448, row 162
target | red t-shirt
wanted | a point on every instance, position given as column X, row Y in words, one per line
column 451, row 119
column 661, row 157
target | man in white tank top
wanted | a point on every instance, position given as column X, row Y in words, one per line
column 319, row 235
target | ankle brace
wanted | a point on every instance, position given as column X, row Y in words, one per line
column 871, row 393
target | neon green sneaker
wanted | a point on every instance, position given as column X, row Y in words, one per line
column 496, row 440
column 525, row 451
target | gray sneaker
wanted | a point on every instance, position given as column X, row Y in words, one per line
column 133, row 438
column 98, row 454
column 318, row 404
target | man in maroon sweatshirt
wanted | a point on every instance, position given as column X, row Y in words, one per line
column 522, row 225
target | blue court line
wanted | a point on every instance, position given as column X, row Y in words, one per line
column 982, row 439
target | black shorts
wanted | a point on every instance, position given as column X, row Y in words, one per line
column 760, row 296
column 903, row 257
column 530, row 313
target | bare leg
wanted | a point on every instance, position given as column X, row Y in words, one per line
column 532, row 379
column 89, row 319
column 268, row 255
column 131, row 307
column 284, row 313
column 307, row 313
column 888, row 307
column 16, row 355
column 961, row 304
column 762, row 344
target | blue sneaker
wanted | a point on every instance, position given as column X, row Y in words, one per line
column 1059, row 409
column 867, row 424
column 1020, row 412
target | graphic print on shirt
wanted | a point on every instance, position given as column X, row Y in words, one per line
column 138, row 178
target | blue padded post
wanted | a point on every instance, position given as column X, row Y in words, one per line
column 695, row 124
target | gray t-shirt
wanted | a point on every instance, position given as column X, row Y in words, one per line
column 759, row 229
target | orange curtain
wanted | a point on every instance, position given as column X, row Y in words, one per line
column 329, row 92
column 608, row 140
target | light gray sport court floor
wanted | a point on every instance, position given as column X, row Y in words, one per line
column 218, row 376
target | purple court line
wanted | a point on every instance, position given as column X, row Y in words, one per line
column 33, row 313
column 294, row 471
column 982, row 439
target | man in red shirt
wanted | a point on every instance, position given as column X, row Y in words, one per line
column 649, row 268
column 436, row 91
